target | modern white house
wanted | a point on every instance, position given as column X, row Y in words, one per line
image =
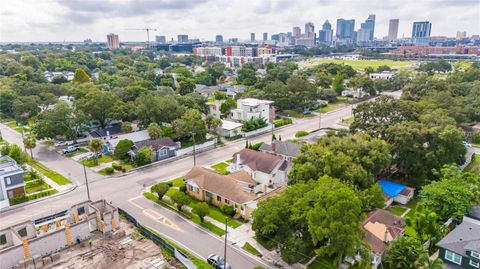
column 11, row 181
column 253, row 108
column 383, row 75
column 355, row 93
column 230, row 129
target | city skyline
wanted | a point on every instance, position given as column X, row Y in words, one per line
column 74, row 20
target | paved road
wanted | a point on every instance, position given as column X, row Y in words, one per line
column 121, row 190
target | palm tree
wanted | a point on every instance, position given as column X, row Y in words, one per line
column 30, row 142
column 96, row 146
column 424, row 262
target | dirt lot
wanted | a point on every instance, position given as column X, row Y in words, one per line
column 118, row 251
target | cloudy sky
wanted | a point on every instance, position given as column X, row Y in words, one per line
column 74, row 20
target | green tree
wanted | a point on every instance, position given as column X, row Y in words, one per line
column 219, row 95
column 160, row 189
column 7, row 98
column 427, row 226
column 337, row 83
column 371, row 198
column 122, row 149
column 424, row 262
column 190, row 123
column 212, row 123
column 180, row 199
column 247, row 75
column 17, row 154
column 153, row 108
column 404, row 253
column 126, row 127
column 227, row 106
column 25, row 107
column 80, row 76
column 144, row 156
column 154, row 131
column 99, row 105
column 201, row 209
column 186, row 86
column 96, row 146
column 30, row 142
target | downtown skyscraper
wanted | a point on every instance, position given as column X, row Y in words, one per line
column 421, row 32
column 393, row 29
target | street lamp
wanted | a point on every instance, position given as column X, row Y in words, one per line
column 86, row 180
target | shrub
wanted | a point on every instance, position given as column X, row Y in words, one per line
column 109, row 170
column 476, row 138
column 255, row 146
column 170, row 184
column 301, row 133
column 228, row 210
column 117, row 166
column 144, row 156
column 122, row 148
column 160, row 189
column 254, row 124
column 183, row 189
column 180, row 199
column 282, row 122
column 201, row 209
column 19, row 199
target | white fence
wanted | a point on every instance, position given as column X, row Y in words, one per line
column 259, row 131
column 199, row 147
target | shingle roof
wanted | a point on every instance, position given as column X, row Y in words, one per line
column 112, row 130
column 226, row 186
column 380, row 223
column 466, row 235
column 157, row 143
column 284, row 148
column 258, row 161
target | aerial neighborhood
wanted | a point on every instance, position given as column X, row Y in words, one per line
column 303, row 149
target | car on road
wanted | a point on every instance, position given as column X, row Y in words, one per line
column 60, row 144
column 217, row 262
column 71, row 149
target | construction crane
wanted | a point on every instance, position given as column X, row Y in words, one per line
column 144, row 29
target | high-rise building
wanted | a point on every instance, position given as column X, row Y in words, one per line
column 182, row 38
column 219, row 38
column 113, row 41
column 252, row 37
column 461, row 35
column 393, row 29
column 326, row 34
column 296, row 31
column 345, row 29
column 160, row 39
column 421, row 32
column 309, row 29
column 265, row 36
column 233, row 40
column 367, row 28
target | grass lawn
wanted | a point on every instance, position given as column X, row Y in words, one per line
column 104, row 159
column 59, row 179
column 104, row 172
column 357, row 64
column 12, row 124
column 251, row 249
column 323, row 263
column 295, row 114
column 75, row 153
column 396, row 210
column 413, row 206
column 221, row 168
column 36, row 186
column 474, row 165
column 178, row 182
column 331, row 106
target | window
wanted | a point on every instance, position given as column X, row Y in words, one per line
column 3, row 239
column 227, row 201
column 81, row 210
column 474, row 263
column 22, row 232
column 475, row 254
column 163, row 152
column 219, row 198
column 208, row 194
column 453, row 257
column 8, row 180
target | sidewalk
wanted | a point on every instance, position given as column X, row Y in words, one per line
column 53, row 184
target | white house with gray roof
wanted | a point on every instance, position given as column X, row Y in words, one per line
column 285, row 149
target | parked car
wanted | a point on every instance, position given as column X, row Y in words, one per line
column 60, row 144
column 217, row 262
column 71, row 149
column 307, row 112
column 466, row 144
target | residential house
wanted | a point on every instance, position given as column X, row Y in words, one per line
column 214, row 108
column 135, row 137
column 285, row 149
column 11, row 181
column 230, row 129
column 106, row 133
column 233, row 91
column 355, row 93
column 268, row 170
column 461, row 247
column 164, row 148
column 394, row 192
column 383, row 75
column 235, row 189
column 253, row 108
column 51, row 75
column 381, row 227
column 206, row 91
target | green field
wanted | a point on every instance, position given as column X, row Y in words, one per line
column 356, row 64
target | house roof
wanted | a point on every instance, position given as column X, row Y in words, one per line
column 284, row 148
column 243, row 176
column 157, row 143
column 230, row 125
column 134, row 137
column 390, row 188
column 475, row 213
column 112, row 130
column 258, row 161
column 380, row 225
column 226, row 186
column 465, row 236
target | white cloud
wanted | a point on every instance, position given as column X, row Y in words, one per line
column 57, row 20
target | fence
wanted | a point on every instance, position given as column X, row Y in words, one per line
column 179, row 255
column 198, row 148
column 259, row 131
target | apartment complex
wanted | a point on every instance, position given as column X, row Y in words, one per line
column 113, row 41
column 11, row 181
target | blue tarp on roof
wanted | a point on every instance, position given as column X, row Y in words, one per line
column 391, row 189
